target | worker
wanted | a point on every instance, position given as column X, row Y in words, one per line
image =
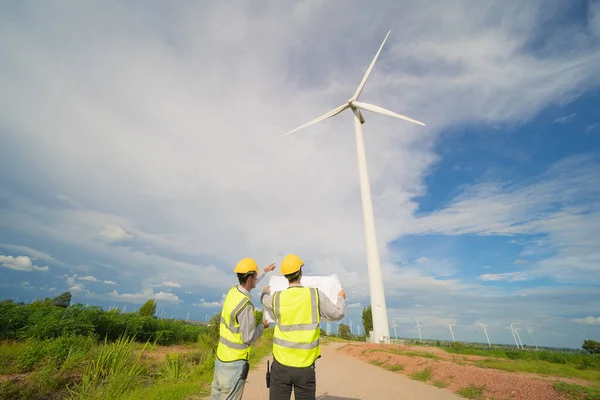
column 237, row 332
column 298, row 311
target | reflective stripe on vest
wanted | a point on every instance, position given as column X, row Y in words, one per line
column 297, row 317
column 231, row 347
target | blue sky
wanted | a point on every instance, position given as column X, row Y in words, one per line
column 137, row 158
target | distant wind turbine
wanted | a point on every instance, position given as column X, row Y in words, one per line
column 486, row 334
column 394, row 326
column 452, row 332
column 518, row 336
column 378, row 304
column 530, row 331
column 418, row 326
column 512, row 330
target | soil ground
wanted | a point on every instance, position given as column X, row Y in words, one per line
column 340, row 376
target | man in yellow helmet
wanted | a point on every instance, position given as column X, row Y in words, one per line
column 298, row 311
column 237, row 332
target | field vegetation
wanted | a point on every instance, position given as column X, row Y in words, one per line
column 53, row 350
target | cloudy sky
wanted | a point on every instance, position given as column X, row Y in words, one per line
column 138, row 160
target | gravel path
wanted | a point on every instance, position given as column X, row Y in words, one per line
column 359, row 380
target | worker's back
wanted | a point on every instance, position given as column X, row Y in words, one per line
column 296, row 336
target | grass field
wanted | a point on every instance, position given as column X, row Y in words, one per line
column 57, row 353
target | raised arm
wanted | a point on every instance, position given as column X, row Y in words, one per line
column 331, row 311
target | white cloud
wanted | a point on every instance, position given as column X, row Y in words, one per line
column 25, row 283
column 353, row 305
column 560, row 206
column 507, row 276
column 20, row 263
column 565, row 119
column 145, row 295
column 114, row 233
column 519, row 261
column 588, row 320
column 169, row 284
column 88, row 278
column 210, row 304
column 33, row 253
column 187, row 292
column 110, row 282
column 168, row 297
column 78, row 288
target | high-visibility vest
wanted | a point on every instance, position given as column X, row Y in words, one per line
column 231, row 347
column 297, row 317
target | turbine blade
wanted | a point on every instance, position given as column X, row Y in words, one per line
column 323, row 117
column 383, row 111
column 364, row 79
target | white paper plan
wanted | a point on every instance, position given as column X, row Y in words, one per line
column 329, row 285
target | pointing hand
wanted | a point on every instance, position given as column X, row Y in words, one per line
column 270, row 267
column 342, row 293
column 266, row 323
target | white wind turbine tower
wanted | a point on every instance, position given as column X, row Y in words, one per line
column 486, row 334
column 394, row 326
column 512, row 330
column 517, row 333
column 530, row 331
column 452, row 332
column 350, row 325
column 418, row 326
column 381, row 330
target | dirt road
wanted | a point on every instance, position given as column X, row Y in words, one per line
column 343, row 377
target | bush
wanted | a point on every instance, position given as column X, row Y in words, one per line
column 457, row 346
column 41, row 320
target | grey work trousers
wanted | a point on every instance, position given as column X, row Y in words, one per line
column 227, row 382
column 284, row 378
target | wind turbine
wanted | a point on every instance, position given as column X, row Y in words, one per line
column 394, row 326
column 418, row 326
column 517, row 333
column 378, row 306
column 512, row 330
column 350, row 325
column 530, row 331
column 486, row 334
column 452, row 332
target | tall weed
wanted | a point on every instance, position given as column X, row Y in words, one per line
column 115, row 370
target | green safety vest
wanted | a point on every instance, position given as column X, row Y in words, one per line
column 297, row 317
column 231, row 347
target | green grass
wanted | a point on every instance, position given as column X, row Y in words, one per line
column 542, row 368
column 471, row 392
column 377, row 363
column 9, row 357
column 577, row 392
column 440, row 384
column 395, row 367
column 423, row 375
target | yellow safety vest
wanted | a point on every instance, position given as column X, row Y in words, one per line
column 297, row 317
column 231, row 347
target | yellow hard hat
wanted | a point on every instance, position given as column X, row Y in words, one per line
column 290, row 264
column 245, row 266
